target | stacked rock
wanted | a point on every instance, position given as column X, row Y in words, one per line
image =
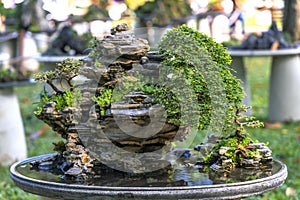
column 133, row 123
column 263, row 155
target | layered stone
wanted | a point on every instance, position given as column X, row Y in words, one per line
column 134, row 124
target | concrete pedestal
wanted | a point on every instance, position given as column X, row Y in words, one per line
column 284, row 91
column 284, row 97
column 12, row 143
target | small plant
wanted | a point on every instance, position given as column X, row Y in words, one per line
column 103, row 100
column 64, row 72
column 62, row 100
column 96, row 52
column 7, row 74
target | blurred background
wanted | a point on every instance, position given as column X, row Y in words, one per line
column 222, row 19
column 64, row 27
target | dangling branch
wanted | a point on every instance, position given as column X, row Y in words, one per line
column 49, row 82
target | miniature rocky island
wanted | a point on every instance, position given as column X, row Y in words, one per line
column 124, row 106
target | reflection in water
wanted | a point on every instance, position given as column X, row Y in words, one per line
column 180, row 174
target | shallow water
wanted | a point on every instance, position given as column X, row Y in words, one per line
column 179, row 175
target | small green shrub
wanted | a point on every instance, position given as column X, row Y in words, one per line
column 10, row 75
column 66, row 70
column 103, row 100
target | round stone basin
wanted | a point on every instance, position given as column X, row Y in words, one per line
column 17, row 83
column 185, row 183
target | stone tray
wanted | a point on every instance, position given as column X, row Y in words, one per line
column 77, row 191
column 17, row 83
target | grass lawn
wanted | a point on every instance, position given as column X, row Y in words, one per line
column 284, row 141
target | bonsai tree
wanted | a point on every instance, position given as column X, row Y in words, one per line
column 66, row 70
column 219, row 96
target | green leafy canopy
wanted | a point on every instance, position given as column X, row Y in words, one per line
column 204, row 63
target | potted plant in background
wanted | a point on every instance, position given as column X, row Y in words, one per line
column 16, row 66
column 8, row 44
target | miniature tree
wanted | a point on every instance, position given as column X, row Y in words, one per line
column 214, row 85
column 64, row 72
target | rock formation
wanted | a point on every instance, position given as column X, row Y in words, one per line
column 90, row 130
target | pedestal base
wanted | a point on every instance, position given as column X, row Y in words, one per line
column 12, row 144
column 284, row 97
column 284, row 92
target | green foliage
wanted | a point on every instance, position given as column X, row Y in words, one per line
column 238, row 149
column 204, row 64
column 7, row 74
column 103, row 100
column 6, row 11
column 66, row 99
column 162, row 13
column 43, row 99
column 123, row 86
column 10, row 192
column 72, row 98
column 10, row 75
column 65, row 70
column 170, row 102
column 231, row 43
column 130, row 83
column 97, row 13
column 96, row 52
column 59, row 147
column 12, row 14
column 60, row 102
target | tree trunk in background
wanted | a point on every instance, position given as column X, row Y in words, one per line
column 291, row 19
